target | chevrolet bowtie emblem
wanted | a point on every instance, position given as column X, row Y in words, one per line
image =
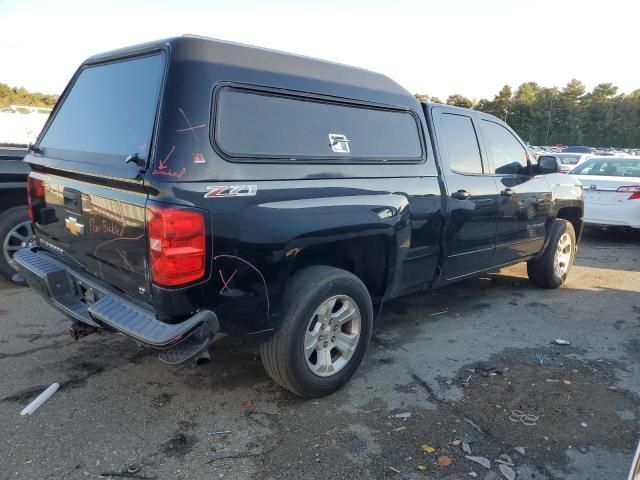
column 73, row 226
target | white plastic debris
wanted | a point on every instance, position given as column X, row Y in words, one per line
column 473, row 474
column 481, row 460
column 403, row 415
column 507, row 471
column 584, row 425
column 40, row 399
column 561, row 341
column 520, row 450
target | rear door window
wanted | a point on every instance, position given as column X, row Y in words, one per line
column 109, row 111
column 461, row 142
column 253, row 124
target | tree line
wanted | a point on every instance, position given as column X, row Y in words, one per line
column 21, row 96
column 567, row 116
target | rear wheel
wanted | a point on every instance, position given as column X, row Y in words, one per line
column 15, row 233
column 326, row 323
column 550, row 270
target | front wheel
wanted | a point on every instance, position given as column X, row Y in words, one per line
column 550, row 270
column 326, row 323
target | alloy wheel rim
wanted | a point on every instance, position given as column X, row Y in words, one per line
column 332, row 335
column 562, row 260
column 17, row 238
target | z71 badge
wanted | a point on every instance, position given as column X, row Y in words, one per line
column 216, row 191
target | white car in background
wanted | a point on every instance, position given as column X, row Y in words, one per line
column 611, row 187
column 569, row 161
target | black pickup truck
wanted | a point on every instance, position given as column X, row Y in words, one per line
column 189, row 187
column 15, row 227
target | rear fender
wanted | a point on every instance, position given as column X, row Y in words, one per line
column 342, row 231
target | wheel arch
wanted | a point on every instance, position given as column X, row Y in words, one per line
column 367, row 257
column 572, row 214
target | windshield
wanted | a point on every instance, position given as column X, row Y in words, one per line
column 568, row 159
column 109, row 111
column 609, row 167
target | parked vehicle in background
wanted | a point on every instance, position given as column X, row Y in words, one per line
column 611, row 191
column 15, row 226
column 578, row 149
column 20, row 124
column 232, row 189
column 569, row 161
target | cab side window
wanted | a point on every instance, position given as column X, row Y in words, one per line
column 509, row 156
column 461, row 143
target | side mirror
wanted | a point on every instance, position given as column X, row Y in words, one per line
column 548, row 164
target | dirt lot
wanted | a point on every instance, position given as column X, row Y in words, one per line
column 454, row 365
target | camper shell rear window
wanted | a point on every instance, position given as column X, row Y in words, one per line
column 109, row 112
column 261, row 125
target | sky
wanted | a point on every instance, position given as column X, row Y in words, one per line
column 471, row 47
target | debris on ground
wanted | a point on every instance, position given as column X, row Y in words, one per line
column 455, row 443
column 524, row 418
column 220, row 432
column 561, row 341
column 428, row 448
column 402, row 415
column 40, row 399
column 584, row 425
column 466, row 448
column 422, row 468
column 248, row 404
column 613, row 388
column 540, row 357
column 394, row 469
column 567, row 382
column 444, row 460
column 485, row 462
column 505, row 459
column 473, row 424
column 507, row 471
column 520, row 450
column 487, row 370
column 473, row 474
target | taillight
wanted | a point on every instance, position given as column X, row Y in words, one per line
column 35, row 192
column 177, row 245
column 634, row 190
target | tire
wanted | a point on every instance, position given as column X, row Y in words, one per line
column 15, row 229
column 550, row 270
column 303, row 318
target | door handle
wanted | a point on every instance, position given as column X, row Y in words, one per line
column 461, row 195
column 507, row 192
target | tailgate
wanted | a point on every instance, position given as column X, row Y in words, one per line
column 99, row 229
column 88, row 168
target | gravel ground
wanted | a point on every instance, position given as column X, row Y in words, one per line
column 461, row 366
